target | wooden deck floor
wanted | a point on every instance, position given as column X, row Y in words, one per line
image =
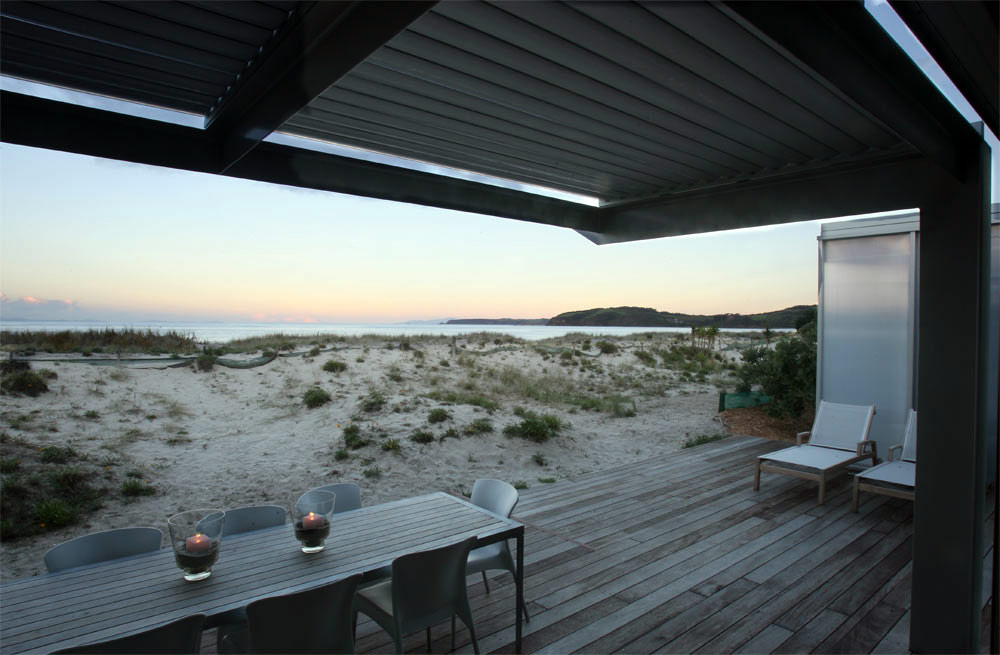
column 680, row 555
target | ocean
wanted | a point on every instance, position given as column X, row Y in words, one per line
column 223, row 332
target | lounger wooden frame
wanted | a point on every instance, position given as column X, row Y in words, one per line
column 904, row 453
column 865, row 449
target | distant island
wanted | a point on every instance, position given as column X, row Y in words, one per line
column 498, row 321
column 648, row 317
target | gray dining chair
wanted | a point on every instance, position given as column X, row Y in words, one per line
column 500, row 498
column 182, row 636
column 238, row 521
column 425, row 589
column 102, row 546
column 313, row 621
column 348, row 496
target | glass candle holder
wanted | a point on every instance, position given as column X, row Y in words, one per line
column 311, row 516
column 196, row 536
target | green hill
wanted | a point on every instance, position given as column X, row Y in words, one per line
column 648, row 317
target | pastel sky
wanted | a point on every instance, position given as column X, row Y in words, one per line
column 85, row 238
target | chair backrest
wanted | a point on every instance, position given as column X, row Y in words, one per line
column 102, row 546
column 183, row 636
column 495, row 496
column 426, row 586
column 910, row 441
column 841, row 426
column 313, row 621
column 247, row 519
column 348, row 496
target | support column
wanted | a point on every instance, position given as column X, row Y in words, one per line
column 952, row 418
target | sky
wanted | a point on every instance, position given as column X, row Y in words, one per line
column 83, row 238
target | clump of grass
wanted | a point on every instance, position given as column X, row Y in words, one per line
column 341, row 454
column 622, row 408
column 9, row 464
column 119, row 374
column 458, row 398
column 373, row 472
column 479, row 426
column 546, row 480
column 314, row 351
column 395, row 374
column 55, row 513
column 206, row 361
column 539, row 458
column 134, row 487
column 27, row 383
column 48, row 373
column 315, row 397
column 177, row 440
column 607, row 348
column 645, row 357
column 335, row 366
column 438, row 415
column 533, row 426
column 114, row 340
column 58, row 454
column 450, row 433
column 520, row 484
column 691, row 442
column 373, row 402
column 422, row 436
column 391, row 445
column 353, row 438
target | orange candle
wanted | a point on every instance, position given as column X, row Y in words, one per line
column 313, row 520
column 198, row 543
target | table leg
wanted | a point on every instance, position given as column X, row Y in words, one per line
column 519, row 581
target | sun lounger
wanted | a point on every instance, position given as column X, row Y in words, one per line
column 839, row 438
column 893, row 478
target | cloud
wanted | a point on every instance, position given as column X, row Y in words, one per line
column 32, row 308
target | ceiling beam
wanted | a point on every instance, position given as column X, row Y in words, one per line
column 844, row 44
column 963, row 39
column 320, row 44
column 41, row 123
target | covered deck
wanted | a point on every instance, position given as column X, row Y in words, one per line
column 679, row 554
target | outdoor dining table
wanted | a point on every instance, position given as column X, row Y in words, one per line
column 124, row 596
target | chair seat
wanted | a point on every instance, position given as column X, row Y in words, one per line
column 902, row 473
column 379, row 595
column 815, row 457
column 485, row 554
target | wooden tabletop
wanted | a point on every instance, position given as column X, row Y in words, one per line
column 121, row 597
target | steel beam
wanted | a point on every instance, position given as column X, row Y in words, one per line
column 321, row 44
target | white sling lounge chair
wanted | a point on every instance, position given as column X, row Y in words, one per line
column 839, row 437
column 893, row 478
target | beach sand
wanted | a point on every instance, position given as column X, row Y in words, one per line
column 234, row 437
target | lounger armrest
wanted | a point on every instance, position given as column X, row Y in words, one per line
column 898, row 449
column 798, row 437
column 870, row 446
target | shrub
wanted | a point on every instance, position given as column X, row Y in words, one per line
column 623, row 408
column 315, row 397
column 373, row 402
column 315, row 350
column 520, row 484
column 373, row 472
column 534, row 427
column 546, row 480
column 479, row 426
column 9, row 464
column 28, row 383
column 645, row 357
column 58, row 454
column 353, row 438
column 206, row 361
column 67, row 480
column 450, row 433
column 334, row 366
column 391, row 445
column 341, row 455
column 48, row 373
column 787, row 373
column 422, row 436
column 134, row 487
column 9, row 366
column 607, row 348
column 703, row 439
column 438, row 415
column 539, row 458
column 54, row 512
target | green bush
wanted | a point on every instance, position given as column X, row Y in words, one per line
column 422, row 436
column 206, row 361
column 315, row 350
column 645, row 357
column 134, row 487
column 373, row 402
column 691, row 442
column 58, row 454
column 479, row 426
column 438, row 415
column 373, row 472
column 534, row 427
column 334, row 366
column 787, row 373
column 48, row 373
column 315, row 397
column 391, row 445
column 9, row 464
column 607, row 348
column 54, row 513
column 341, row 455
column 28, row 383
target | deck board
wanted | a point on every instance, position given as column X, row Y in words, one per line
column 679, row 554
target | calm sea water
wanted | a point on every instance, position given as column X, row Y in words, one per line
column 222, row 332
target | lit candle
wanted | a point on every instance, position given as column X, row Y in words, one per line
column 313, row 520
column 198, row 543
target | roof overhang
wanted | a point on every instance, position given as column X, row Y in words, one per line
column 700, row 117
